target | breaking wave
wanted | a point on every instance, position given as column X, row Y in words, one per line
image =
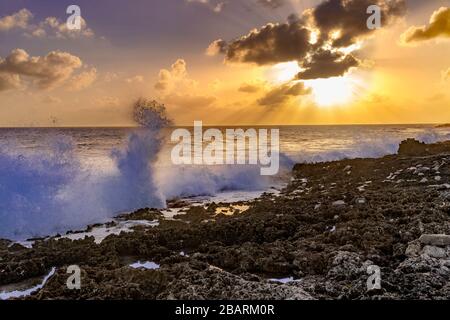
column 43, row 193
column 49, row 192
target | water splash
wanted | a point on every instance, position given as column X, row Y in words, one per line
column 45, row 193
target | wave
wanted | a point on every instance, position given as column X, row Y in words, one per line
column 49, row 192
column 364, row 147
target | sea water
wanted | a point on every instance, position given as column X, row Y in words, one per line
column 58, row 179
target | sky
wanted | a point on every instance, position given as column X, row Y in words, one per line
column 225, row 62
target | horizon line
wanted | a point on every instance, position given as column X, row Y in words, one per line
column 222, row 125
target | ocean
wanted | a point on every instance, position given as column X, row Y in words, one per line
column 58, row 179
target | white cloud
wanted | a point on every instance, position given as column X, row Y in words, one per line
column 107, row 101
column 18, row 20
column 179, row 90
column 45, row 72
column 216, row 7
column 9, row 81
column 54, row 28
column 176, row 76
column 49, row 27
column 83, row 80
column 135, row 79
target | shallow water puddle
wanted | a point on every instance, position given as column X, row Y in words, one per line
column 148, row 265
column 100, row 233
column 283, row 280
column 26, row 292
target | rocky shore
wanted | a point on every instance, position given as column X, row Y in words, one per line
column 314, row 240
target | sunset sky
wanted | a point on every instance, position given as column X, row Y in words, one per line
column 225, row 62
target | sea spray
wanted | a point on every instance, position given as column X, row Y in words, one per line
column 30, row 186
column 136, row 185
column 195, row 180
column 43, row 193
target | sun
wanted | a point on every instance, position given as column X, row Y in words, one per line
column 325, row 92
column 284, row 72
column 332, row 91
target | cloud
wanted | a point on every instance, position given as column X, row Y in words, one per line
column 219, row 7
column 439, row 26
column 188, row 101
column 45, row 72
column 9, row 81
column 83, row 80
column 18, row 20
column 316, row 40
column 168, row 79
column 327, row 64
column 446, row 74
column 135, row 79
column 51, row 100
column 215, row 85
column 216, row 7
column 250, row 87
column 179, row 90
column 49, row 27
column 273, row 43
column 107, row 101
column 284, row 93
column 110, row 76
column 272, row 4
column 54, row 28
column 217, row 47
column 348, row 19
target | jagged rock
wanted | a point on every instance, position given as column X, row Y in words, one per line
column 338, row 203
column 434, row 252
column 412, row 147
column 216, row 284
column 278, row 237
column 435, row 239
column 413, row 249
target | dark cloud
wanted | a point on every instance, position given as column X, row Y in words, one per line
column 327, row 64
column 272, row 44
column 439, row 26
column 272, row 4
column 249, row 88
column 283, row 93
column 349, row 18
column 337, row 23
